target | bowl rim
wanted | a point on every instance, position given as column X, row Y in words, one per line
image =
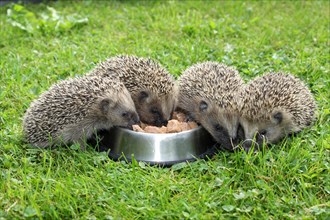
column 158, row 134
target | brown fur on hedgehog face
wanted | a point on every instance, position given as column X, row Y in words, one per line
column 209, row 94
column 73, row 109
column 274, row 105
column 119, row 109
column 108, row 111
column 223, row 125
column 269, row 130
column 151, row 86
column 152, row 109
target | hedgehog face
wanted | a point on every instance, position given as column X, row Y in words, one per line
column 269, row 130
column 152, row 109
column 221, row 124
column 274, row 105
column 120, row 110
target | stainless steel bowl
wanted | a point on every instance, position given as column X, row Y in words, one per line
column 165, row 149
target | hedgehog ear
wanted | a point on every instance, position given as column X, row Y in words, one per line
column 143, row 96
column 277, row 117
column 203, row 106
column 105, row 105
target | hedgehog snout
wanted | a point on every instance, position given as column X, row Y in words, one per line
column 159, row 120
column 133, row 119
column 164, row 122
column 238, row 138
column 249, row 144
column 256, row 143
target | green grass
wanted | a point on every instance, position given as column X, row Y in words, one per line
column 289, row 181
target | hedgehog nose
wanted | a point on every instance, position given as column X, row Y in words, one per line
column 239, row 136
column 250, row 144
column 159, row 121
column 247, row 144
column 164, row 122
column 135, row 118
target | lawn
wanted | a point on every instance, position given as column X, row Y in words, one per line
column 40, row 46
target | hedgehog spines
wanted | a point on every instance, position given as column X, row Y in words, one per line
column 281, row 91
column 67, row 104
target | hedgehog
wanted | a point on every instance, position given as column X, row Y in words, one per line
column 273, row 106
column 208, row 94
column 152, row 87
column 74, row 109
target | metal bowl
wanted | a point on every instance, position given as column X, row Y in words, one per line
column 162, row 149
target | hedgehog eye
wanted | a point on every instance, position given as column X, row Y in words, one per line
column 143, row 95
column 124, row 115
column 278, row 117
column 203, row 106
